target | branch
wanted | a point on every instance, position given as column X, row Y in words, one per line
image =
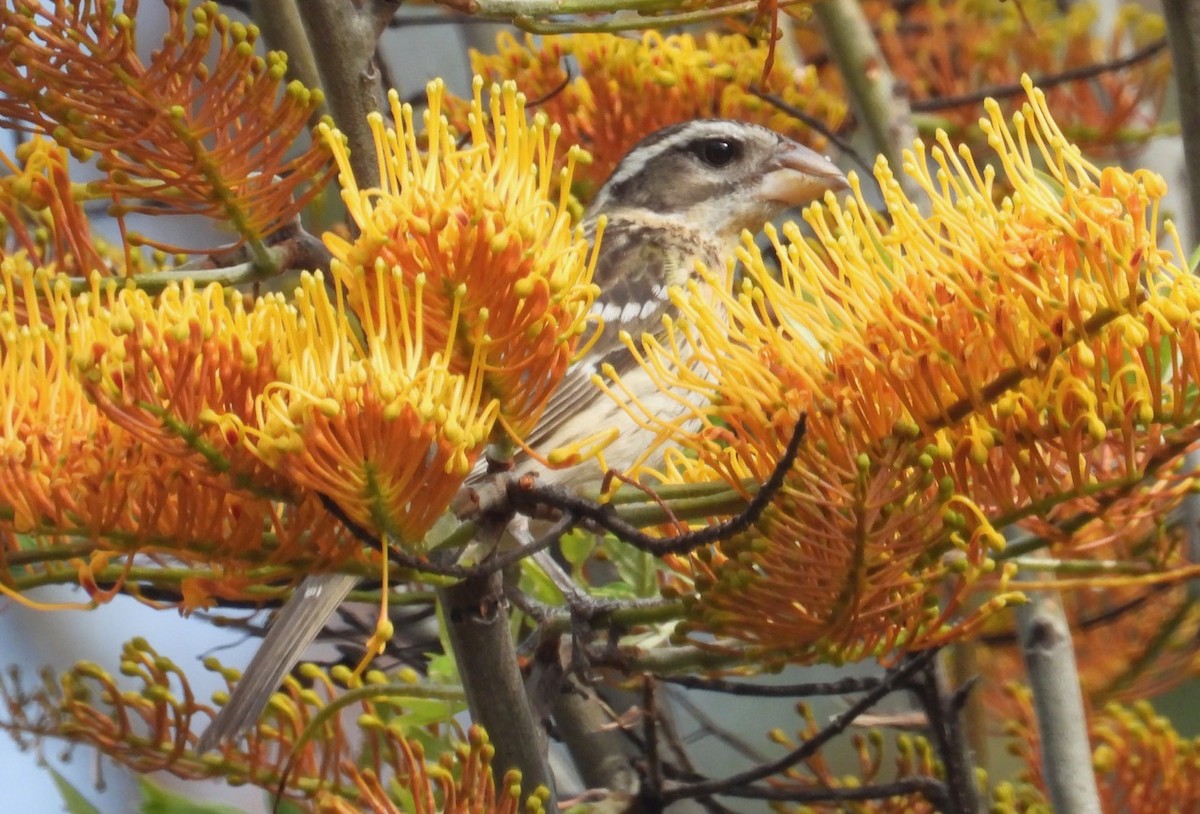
column 1183, row 34
column 1045, row 81
column 491, row 565
column 942, row 711
column 529, row 499
column 1058, row 701
column 283, row 30
column 817, row 125
column 733, row 785
column 477, row 627
column 343, row 41
column 877, row 97
column 844, row 686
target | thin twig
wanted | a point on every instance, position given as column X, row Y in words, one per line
column 930, row 787
column 491, row 565
column 531, row 499
column 739, row 784
column 1043, row 82
column 816, row 124
column 844, row 686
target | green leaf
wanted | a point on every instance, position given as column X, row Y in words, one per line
column 637, row 570
column 538, row 585
column 157, row 800
column 577, row 546
column 75, row 802
column 418, row 712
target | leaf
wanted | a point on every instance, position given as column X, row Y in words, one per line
column 75, row 802
column 577, row 546
column 157, row 800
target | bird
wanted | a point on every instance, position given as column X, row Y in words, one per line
column 683, row 194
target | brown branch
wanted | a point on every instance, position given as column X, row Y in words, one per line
column 942, row 707
column 491, row 565
column 532, row 500
column 816, row 124
column 1045, row 81
column 740, row 784
column 844, row 686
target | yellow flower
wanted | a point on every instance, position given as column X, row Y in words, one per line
column 102, row 437
column 466, row 254
column 384, row 431
column 962, row 370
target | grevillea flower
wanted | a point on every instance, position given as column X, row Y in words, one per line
column 205, row 127
column 40, row 214
column 990, row 361
column 945, row 52
column 466, row 254
column 377, row 765
column 386, row 431
column 102, row 450
column 194, row 426
column 625, row 88
column 1142, row 763
column 459, row 304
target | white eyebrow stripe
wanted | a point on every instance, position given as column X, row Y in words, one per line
column 637, row 159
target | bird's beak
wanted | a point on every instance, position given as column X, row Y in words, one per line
column 802, row 175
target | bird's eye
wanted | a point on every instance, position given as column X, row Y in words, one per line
column 717, row 152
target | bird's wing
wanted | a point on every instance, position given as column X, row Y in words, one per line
column 634, row 271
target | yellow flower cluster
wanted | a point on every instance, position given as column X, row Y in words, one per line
column 217, row 122
column 469, row 250
column 194, row 424
column 962, row 369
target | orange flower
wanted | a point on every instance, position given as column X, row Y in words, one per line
column 962, row 370
column 947, row 50
column 213, row 129
column 466, row 254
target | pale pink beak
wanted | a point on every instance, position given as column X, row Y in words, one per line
column 803, row 175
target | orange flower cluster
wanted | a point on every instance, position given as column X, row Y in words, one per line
column 946, row 53
column 625, row 88
column 39, row 214
column 100, row 404
column 1129, row 642
column 962, row 370
column 147, row 729
column 193, row 426
column 1142, row 763
column 203, row 128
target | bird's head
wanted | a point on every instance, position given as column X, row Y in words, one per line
column 718, row 176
